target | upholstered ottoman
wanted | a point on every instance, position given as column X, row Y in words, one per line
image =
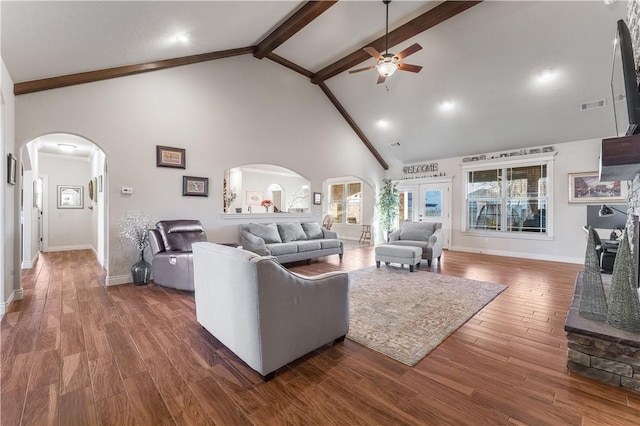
column 404, row 255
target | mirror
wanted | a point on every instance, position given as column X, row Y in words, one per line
column 265, row 188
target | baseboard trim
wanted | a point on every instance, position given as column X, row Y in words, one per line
column 119, row 280
column 29, row 263
column 523, row 255
column 69, row 248
column 15, row 295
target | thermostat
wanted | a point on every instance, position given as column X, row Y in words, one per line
column 127, row 190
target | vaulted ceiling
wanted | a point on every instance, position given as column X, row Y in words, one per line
column 485, row 58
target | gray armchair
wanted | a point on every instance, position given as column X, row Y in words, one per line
column 265, row 314
column 426, row 235
column 170, row 242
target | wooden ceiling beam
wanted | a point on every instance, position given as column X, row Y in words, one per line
column 427, row 20
column 300, row 19
column 286, row 63
column 105, row 74
column 353, row 125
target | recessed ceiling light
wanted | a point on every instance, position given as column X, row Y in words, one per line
column 66, row 147
column 608, row 2
column 546, row 75
column 182, row 38
column 383, row 124
column 447, row 105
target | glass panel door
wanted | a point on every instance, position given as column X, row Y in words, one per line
column 406, row 201
column 434, row 206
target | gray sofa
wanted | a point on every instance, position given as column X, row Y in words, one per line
column 426, row 235
column 265, row 314
column 290, row 241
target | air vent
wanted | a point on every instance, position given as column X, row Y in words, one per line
column 394, row 145
column 593, row 105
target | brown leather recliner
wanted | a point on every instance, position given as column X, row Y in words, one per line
column 172, row 264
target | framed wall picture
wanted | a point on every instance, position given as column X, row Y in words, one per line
column 195, row 186
column 317, row 198
column 70, row 197
column 171, row 157
column 11, row 169
column 587, row 188
column 254, row 198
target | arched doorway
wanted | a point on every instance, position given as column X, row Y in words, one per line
column 64, row 197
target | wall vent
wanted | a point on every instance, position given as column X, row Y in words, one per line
column 593, row 105
column 394, row 145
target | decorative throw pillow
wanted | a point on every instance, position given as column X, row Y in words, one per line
column 313, row 230
column 291, row 231
column 416, row 231
column 269, row 233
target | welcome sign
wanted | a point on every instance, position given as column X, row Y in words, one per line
column 421, row 168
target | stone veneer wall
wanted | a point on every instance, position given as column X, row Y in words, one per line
column 633, row 21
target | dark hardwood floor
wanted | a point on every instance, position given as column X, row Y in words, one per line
column 75, row 352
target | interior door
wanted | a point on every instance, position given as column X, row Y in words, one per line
column 434, row 205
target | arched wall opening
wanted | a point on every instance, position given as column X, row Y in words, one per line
column 64, row 197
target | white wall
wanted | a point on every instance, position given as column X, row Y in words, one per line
column 569, row 242
column 9, row 208
column 67, row 229
column 225, row 113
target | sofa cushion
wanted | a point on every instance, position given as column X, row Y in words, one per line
column 308, row 245
column 291, row 231
column 329, row 243
column 278, row 249
column 418, row 231
column 269, row 233
column 313, row 230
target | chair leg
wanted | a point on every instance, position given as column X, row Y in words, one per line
column 428, row 262
column 410, row 268
column 377, row 263
column 340, row 339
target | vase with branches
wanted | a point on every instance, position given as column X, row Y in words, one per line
column 231, row 197
column 135, row 230
column 388, row 207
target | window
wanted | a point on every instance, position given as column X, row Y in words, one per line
column 510, row 198
column 345, row 202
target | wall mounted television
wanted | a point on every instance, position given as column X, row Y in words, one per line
column 624, row 84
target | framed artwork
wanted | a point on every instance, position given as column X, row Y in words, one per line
column 170, row 157
column 70, row 197
column 195, row 186
column 11, row 169
column 587, row 188
column 91, row 189
column 317, row 198
column 254, row 198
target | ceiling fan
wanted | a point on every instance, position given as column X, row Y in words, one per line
column 388, row 63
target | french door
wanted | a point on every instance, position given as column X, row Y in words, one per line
column 427, row 202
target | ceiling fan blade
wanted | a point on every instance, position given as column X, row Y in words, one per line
column 381, row 78
column 373, row 52
column 409, row 67
column 409, row 51
column 362, row 69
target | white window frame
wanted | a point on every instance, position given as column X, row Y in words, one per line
column 504, row 163
column 345, row 204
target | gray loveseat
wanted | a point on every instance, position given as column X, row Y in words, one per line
column 290, row 241
column 426, row 235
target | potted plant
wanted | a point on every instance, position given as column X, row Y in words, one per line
column 135, row 229
column 388, row 208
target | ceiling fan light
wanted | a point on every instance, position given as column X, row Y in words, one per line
column 387, row 68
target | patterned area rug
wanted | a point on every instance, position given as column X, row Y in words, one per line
column 406, row 315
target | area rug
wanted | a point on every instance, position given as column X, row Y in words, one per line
column 405, row 315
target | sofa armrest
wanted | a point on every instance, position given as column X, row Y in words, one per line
column 329, row 234
column 436, row 240
column 252, row 243
column 394, row 236
column 155, row 241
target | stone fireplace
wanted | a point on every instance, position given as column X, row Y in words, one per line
column 599, row 351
